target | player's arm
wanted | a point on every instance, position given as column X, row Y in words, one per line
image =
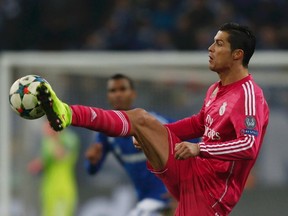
column 49, row 154
column 188, row 128
column 249, row 122
column 191, row 127
column 96, row 155
column 94, row 158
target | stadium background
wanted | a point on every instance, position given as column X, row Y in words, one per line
column 76, row 45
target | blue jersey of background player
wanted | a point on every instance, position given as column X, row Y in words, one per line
column 149, row 189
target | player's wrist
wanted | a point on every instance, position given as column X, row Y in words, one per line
column 200, row 146
column 198, row 149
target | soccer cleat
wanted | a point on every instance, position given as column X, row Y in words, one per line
column 58, row 113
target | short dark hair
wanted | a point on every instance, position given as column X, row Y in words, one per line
column 119, row 76
column 240, row 37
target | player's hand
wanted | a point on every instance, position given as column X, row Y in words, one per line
column 172, row 204
column 35, row 166
column 136, row 143
column 94, row 153
column 186, row 150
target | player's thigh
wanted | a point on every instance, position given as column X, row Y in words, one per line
column 151, row 135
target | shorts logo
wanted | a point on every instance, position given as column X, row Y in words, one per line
column 250, row 122
column 222, row 109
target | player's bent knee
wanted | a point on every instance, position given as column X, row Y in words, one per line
column 142, row 117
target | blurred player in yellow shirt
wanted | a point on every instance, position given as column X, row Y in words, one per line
column 59, row 153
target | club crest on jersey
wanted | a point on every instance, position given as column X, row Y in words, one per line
column 222, row 109
column 250, row 122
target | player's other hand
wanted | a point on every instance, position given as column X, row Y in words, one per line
column 94, row 153
column 136, row 143
column 35, row 166
column 186, row 150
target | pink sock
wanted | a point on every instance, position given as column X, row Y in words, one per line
column 110, row 122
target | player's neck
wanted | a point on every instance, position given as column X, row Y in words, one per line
column 233, row 75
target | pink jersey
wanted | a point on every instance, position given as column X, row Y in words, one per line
column 232, row 122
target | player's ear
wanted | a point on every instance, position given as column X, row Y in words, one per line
column 238, row 54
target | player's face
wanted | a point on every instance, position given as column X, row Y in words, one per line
column 119, row 94
column 220, row 55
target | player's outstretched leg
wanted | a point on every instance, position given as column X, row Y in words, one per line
column 57, row 112
column 149, row 132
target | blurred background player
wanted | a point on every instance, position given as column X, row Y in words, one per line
column 151, row 192
column 59, row 152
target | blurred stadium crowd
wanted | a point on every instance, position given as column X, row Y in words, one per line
column 135, row 24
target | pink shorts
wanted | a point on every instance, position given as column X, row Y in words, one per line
column 183, row 180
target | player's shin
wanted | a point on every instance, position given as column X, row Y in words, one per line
column 110, row 122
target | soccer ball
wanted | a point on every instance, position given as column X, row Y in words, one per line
column 23, row 97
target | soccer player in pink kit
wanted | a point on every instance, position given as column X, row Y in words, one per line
column 206, row 178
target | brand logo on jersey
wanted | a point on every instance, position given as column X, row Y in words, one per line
column 209, row 120
column 210, row 132
column 222, row 109
column 250, row 122
column 93, row 114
